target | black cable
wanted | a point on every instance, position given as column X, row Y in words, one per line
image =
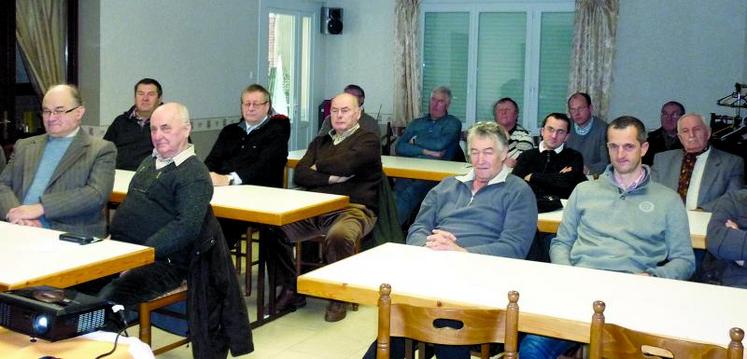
column 119, row 310
column 116, row 339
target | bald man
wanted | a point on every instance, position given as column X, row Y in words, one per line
column 62, row 179
column 346, row 161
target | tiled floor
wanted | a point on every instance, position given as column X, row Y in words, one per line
column 301, row 334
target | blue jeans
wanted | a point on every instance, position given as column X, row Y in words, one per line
column 408, row 194
column 539, row 347
column 397, row 350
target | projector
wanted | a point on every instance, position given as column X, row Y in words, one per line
column 51, row 313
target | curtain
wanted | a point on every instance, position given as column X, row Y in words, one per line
column 40, row 31
column 406, row 62
column 593, row 51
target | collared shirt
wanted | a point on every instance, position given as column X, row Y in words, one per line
column 336, row 139
column 470, row 177
column 634, row 184
column 140, row 120
column 177, row 159
column 693, row 190
column 249, row 128
column 557, row 150
column 582, row 131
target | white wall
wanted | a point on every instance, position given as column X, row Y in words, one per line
column 689, row 50
column 203, row 53
column 363, row 54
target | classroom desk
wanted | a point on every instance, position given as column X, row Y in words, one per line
column 20, row 346
column 256, row 204
column 35, row 256
column 549, row 222
column 406, row 167
column 555, row 300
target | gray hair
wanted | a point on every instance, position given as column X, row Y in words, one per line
column 490, row 130
column 442, row 89
column 696, row 115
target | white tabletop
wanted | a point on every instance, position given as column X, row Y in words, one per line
column 35, row 256
column 554, row 300
column 407, row 167
column 266, row 205
column 548, row 222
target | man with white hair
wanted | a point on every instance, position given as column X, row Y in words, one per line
column 698, row 172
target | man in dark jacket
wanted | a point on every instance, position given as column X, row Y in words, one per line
column 344, row 162
column 130, row 131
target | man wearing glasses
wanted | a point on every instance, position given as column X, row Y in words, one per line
column 61, row 179
column 253, row 150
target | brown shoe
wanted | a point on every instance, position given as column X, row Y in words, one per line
column 289, row 300
column 336, row 311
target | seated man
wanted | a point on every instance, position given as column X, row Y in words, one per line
column 727, row 237
column 252, row 151
column 62, row 179
column 344, row 162
column 506, row 113
column 487, row 211
column 589, row 134
column 552, row 169
column 367, row 122
column 164, row 209
column 665, row 137
column 622, row 222
column 130, row 131
column 433, row 136
column 698, row 172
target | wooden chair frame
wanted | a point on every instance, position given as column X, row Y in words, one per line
column 614, row 341
column 146, row 308
column 481, row 326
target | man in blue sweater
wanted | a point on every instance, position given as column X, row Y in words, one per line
column 487, row 211
column 433, row 136
column 622, row 222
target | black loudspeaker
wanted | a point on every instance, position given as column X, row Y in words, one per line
column 331, row 20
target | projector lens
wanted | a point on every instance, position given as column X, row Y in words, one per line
column 41, row 324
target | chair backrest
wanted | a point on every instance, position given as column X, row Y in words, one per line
column 614, row 341
column 462, row 326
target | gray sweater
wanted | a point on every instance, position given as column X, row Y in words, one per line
column 730, row 244
column 632, row 231
column 500, row 219
column 593, row 146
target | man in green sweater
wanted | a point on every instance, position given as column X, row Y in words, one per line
column 164, row 209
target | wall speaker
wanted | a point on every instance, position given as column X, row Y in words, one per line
column 331, row 20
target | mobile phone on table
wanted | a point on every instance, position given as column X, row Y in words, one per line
column 78, row 238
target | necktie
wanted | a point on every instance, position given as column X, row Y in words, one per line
column 688, row 163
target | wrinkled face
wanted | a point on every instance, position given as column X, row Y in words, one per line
column 579, row 110
column 60, row 112
column 625, row 150
column 344, row 112
column 554, row 133
column 254, row 107
column 168, row 133
column 506, row 115
column 486, row 157
column 439, row 105
column 146, row 99
column 693, row 134
column 669, row 116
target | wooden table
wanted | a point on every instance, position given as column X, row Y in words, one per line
column 555, row 300
column 35, row 256
column 406, row 167
column 256, row 204
column 549, row 222
column 20, row 346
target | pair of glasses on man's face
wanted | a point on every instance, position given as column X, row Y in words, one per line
column 57, row 111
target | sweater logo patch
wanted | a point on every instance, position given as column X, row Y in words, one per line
column 646, row 206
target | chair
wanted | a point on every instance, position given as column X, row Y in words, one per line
column 480, row 326
column 247, row 254
column 613, row 341
column 146, row 308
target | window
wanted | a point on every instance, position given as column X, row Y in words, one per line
column 486, row 51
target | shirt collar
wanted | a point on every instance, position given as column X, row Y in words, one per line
column 634, row 184
column 557, row 149
column 249, row 128
column 178, row 159
column 500, row 177
column 341, row 137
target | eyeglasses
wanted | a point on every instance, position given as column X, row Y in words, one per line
column 254, row 104
column 58, row 111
